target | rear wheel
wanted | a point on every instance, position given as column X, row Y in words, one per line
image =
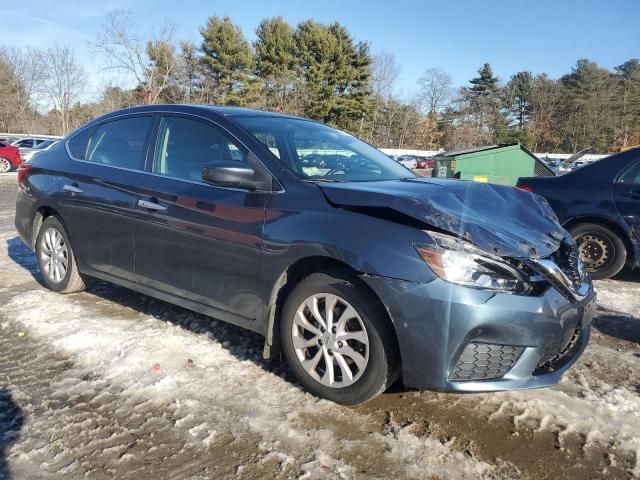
column 602, row 251
column 56, row 260
column 338, row 340
column 5, row 165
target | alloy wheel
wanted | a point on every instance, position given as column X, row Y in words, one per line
column 5, row 165
column 330, row 340
column 54, row 255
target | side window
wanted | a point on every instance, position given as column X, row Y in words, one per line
column 77, row 145
column 184, row 146
column 632, row 175
column 120, row 143
column 26, row 143
column 269, row 140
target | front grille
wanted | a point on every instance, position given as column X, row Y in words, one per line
column 557, row 351
column 485, row 361
column 567, row 258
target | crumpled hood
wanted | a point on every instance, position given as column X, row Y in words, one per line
column 503, row 220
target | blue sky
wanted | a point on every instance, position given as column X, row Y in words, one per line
column 457, row 36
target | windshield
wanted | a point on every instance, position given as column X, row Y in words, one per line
column 314, row 151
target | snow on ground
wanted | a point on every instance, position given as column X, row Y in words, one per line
column 113, row 383
column 218, row 386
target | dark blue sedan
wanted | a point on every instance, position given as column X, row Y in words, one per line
column 357, row 270
column 600, row 206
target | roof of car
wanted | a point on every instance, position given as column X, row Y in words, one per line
column 226, row 111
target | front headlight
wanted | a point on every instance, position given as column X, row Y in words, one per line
column 458, row 261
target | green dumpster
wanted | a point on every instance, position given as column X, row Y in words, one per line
column 502, row 164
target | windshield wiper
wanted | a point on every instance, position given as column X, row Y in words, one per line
column 328, row 180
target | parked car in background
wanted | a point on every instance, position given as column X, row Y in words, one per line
column 9, row 157
column 408, row 161
column 28, row 142
column 599, row 204
column 424, row 162
column 28, row 153
column 358, row 271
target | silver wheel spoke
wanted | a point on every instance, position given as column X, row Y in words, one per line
column 347, row 315
column 360, row 336
column 347, row 374
column 301, row 321
column 358, row 359
column 301, row 342
column 328, row 378
column 311, row 363
column 315, row 311
column 329, row 305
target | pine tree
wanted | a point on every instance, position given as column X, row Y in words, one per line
column 336, row 73
column 629, row 109
column 275, row 58
column 227, row 60
column 484, row 101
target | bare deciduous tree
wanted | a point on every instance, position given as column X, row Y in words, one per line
column 63, row 82
column 151, row 64
column 25, row 64
column 435, row 90
column 385, row 74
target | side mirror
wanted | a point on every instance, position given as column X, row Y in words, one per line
column 229, row 174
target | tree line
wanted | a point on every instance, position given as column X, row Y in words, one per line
column 320, row 71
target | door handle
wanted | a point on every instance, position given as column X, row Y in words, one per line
column 71, row 189
column 151, row 205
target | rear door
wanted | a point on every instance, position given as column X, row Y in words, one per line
column 192, row 239
column 626, row 191
column 97, row 192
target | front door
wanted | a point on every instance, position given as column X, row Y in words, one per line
column 192, row 239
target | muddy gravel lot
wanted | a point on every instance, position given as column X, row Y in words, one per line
column 113, row 384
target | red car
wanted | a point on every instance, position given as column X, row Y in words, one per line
column 9, row 157
column 424, row 162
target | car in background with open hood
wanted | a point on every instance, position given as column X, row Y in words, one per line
column 358, row 271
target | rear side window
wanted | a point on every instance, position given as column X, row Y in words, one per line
column 78, row 144
column 26, row 143
column 632, row 175
column 119, row 143
column 184, row 146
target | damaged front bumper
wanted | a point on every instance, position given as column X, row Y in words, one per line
column 460, row 339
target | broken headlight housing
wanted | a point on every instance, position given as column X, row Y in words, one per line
column 458, row 261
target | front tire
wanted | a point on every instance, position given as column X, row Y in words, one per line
column 603, row 252
column 56, row 260
column 338, row 340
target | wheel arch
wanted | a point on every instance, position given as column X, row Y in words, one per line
column 287, row 281
column 613, row 226
column 41, row 214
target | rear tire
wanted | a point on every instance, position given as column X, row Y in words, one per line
column 56, row 260
column 362, row 350
column 603, row 251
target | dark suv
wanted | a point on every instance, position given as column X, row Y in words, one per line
column 358, row 271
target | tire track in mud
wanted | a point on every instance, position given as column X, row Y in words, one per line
column 77, row 424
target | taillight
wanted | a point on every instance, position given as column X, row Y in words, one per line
column 526, row 188
column 23, row 169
